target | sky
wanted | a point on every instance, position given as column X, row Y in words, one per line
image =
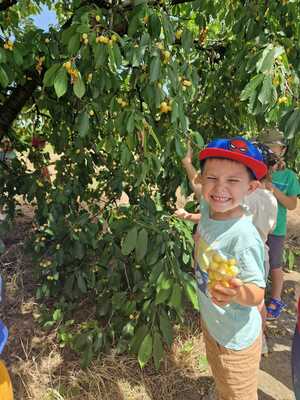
column 45, row 19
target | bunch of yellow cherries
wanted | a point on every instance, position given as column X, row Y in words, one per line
column 220, row 270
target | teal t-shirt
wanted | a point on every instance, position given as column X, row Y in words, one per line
column 233, row 326
column 287, row 182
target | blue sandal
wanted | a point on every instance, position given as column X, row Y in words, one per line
column 274, row 309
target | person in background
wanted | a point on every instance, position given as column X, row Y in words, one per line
column 285, row 187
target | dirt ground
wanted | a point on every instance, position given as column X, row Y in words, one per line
column 42, row 371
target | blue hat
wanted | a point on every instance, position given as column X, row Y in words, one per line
column 237, row 149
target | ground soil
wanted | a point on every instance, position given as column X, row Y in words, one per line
column 42, row 371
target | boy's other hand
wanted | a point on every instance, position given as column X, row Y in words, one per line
column 222, row 296
column 181, row 213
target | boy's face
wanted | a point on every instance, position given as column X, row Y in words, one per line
column 224, row 185
column 278, row 149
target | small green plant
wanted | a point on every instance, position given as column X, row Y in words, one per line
column 289, row 257
column 202, row 363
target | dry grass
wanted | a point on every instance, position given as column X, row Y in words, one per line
column 42, row 371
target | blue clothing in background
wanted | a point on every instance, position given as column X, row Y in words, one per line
column 3, row 329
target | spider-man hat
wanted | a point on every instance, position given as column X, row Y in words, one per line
column 237, row 149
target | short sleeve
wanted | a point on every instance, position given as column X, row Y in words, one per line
column 251, row 265
column 204, row 209
column 293, row 186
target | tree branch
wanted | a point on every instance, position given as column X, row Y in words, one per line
column 16, row 101
column 5, row 4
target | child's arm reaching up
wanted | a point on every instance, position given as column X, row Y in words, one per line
column 191, row 171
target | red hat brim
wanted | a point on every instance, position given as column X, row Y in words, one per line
column 259, row 168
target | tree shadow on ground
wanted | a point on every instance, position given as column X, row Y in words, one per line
column 38, row 365
column 40, row 370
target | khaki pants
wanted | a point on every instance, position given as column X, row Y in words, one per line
column 235, row 371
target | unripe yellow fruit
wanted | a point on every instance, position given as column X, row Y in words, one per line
column 92, row 113
column 164, row 107
column 68, row 65
column 178, row 34
column 102, row 39
column 187, row 83
column 97, row 18
column 84, row 36
column 282, row 100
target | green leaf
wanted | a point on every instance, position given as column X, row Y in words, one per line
column 141, row 245
column 251, row 86
column 83, row 124
column 18, row 57
column 2, row 55
column 191, row 290
column 79, row 87
column 166, row 328
column 154, row 26
column 197, row 138
column 162, row 296
column 168, row 29
column 158, row 350
column 155, row 69
column 101, row 53
column 175, row 112
column 129, row 242
column 81, row 283
column 130, row 123
column 179, row 147
column 145, row 351
column 78, row 250
column 50, row 75
column 187, row 40
column 117, row 55
column 4, row 81
column 57, row 315
column 292, row 126
column 265, row 95
column 61, row 82
column 176, row 296
column 2, row 246
column 291, row 259
column 74, row 43
column 265, row 63
column 138, row 338
column 156, row 271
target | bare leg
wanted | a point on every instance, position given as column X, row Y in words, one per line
column 277, row 283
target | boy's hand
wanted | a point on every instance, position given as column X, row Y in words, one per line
column 189, row 155
column 181, row 213
column 222, row 296
column 269, row 186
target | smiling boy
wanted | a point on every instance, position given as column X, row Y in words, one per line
column 230, row 170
